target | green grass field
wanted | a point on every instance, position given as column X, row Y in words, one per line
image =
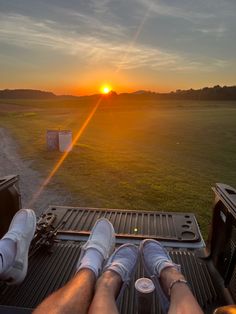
column 145, row 155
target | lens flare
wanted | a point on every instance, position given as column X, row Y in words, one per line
column 64, row 156
column 105, row 89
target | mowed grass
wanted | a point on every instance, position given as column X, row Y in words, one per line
column 162, row 155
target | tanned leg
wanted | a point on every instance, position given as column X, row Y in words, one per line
column 74, row 297
column 182, row 300
column 107, row 290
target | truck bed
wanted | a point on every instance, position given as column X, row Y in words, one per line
column 178, row 232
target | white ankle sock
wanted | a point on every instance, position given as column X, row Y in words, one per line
column 7, row 254
column 93, row 260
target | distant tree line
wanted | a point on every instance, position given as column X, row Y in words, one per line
column 207, row 93
column 25, row 94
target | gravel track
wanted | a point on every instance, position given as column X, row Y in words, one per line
column 30, row 180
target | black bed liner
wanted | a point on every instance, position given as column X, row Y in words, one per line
column 175, row 228
column 48, row 272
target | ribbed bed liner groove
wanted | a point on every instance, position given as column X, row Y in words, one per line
column 176, row 227
column 47, row 273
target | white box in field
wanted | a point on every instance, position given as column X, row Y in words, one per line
column 52, row 140
column 65, row 141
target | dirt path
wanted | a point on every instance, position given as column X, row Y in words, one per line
column 30, row 180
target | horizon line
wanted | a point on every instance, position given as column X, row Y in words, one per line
column 118, row 93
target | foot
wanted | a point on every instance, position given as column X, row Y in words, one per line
column 123, row 261
column 155, row 257
column 98, row 248
column 157, row 261
column 169, row 279
column 119, row 269
column 21, row 232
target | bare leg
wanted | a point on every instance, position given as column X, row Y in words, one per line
column 74, row 297
column 118, row 270
column 182, row 300
column 107, row 289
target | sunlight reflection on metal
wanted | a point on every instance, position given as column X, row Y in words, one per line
column 136, row 35
column 65, row 154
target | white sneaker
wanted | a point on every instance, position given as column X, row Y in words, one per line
column 102, row 239
column 21, row 231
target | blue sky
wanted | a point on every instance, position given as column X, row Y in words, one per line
column 74, row 46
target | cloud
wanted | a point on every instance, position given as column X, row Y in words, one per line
column 209, row 65
column 216, row 31
column 99, row 6
column 94, row 50
column 175, row 11
column 85, row 23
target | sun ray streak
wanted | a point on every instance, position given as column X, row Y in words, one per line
column 136, row 35
column 85, row 124
column 65, row 154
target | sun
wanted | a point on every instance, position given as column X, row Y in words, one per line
column 105, row 89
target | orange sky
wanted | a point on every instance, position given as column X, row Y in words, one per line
column 74, row 47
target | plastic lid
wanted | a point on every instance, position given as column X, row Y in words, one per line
column 144, row 285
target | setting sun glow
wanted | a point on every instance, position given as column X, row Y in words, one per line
column 105, row 89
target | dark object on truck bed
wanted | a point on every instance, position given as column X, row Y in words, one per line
column 210, row 270
column 10, row 201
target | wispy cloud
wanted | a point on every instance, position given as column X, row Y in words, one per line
column 216, row 31
column 175, row 11
column 83, row 23
column 100, row 6
column 150, row 41
column 210, row 65
column 29, row 33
